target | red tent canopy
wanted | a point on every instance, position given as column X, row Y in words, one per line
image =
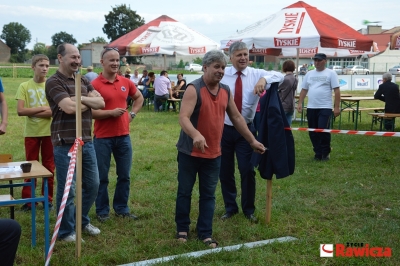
column 300, row 26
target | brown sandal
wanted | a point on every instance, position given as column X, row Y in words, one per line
column 210, row 242
column 181, row 237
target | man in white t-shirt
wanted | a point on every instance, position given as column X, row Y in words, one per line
column 319, row 83
column 135, row 78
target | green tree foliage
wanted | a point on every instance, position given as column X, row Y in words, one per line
column 270, row 66
column 39, row 48
column 181, row 64
column 16, row 36
column 98, row 40
column 198, row 60
column 62, row 37
column 120, row 21
column 52, row 52
column 261, row 66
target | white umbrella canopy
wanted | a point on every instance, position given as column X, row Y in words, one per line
column 163, row 35
column 300, row 26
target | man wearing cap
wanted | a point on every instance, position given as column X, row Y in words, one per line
column 90, row 75
column 319, row 83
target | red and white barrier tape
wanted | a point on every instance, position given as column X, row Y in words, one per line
column 350, row 132
column 70, row 175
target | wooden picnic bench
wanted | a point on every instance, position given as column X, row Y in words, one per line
column 379, row 117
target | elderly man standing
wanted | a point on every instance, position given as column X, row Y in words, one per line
column 60, row 93
column 388, row 92
column 111, row 134
column 90, row 75
column 242, row 80
column 199, row 151
column 162, row 90
column 319, row 83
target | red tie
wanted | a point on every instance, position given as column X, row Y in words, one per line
column 238, row 92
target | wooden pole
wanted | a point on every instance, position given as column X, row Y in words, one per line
column 269, row 201
column 78, row 168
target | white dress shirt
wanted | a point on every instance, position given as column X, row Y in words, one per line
column 250, row 76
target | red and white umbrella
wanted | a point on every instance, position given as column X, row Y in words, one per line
column 163, row 35
column 300, row 26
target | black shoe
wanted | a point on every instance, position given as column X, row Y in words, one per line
column 26, row 208
column 228, row 215
column 127, row 215
column 317, row 157
column 325, row 157
column 103, row 217
column 252, row 218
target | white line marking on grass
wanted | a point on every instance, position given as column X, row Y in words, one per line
column 209, row 251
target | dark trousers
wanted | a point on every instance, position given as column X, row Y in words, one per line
column 207, row 171
column 320, row 118
column 10, row 232
column 232, row 142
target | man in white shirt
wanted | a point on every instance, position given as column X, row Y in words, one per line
column 319, row 83
column 232, row 142
column 162, row 90
column 135, row 78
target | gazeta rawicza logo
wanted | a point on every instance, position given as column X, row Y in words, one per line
column 353, row 250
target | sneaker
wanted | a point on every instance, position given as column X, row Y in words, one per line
column 91, row 230
column 127, row 215
column 103, row 217
column 50, row 206
column 26, row 208
column 70, row 238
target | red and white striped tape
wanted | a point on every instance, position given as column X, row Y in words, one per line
column 350, row 132
column 70, row 175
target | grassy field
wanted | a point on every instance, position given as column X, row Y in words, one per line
column 353, row 198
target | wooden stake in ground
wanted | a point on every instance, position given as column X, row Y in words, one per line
column 269, row 201
column 78, row 168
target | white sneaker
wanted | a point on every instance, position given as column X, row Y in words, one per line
column 70, row 238
column 91, row 230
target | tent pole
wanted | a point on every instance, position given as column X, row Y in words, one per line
column 297, row 62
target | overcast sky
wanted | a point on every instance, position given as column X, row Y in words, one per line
column 216, row 19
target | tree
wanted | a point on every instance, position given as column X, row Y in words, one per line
column 198, row 60
column 52, row 52
column 120, row 21
column 98, row 40
column 62, row 37
column 39, row 48
column 16, row 36
column 181, row 64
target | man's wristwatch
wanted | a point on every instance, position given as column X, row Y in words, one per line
column 133, row 115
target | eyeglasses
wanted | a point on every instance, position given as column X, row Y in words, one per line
column 108, row 49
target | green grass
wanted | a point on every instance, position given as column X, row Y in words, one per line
column 354, row 197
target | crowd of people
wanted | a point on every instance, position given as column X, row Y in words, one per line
column 217, row 120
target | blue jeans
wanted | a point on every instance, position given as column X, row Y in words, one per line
column 289, row 117
column 320, row 118
column 90, row 185
column 208, row 170
column 232, row 142
column 121, row 148
column 158, row 101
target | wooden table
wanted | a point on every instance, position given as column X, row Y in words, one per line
column 37, row 171
column 354, row 104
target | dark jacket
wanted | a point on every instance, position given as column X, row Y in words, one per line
column 279, row 159
column 389, row 93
